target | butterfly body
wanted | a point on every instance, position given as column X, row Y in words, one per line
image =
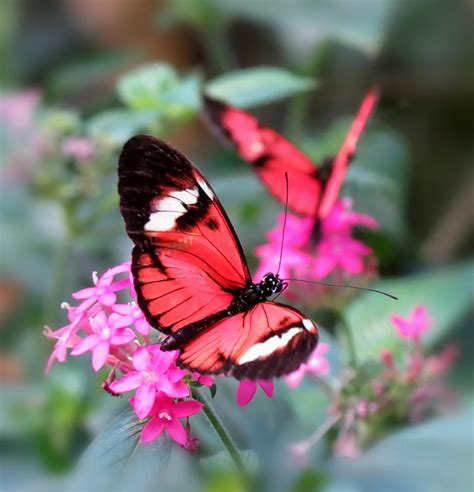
column 191, row 277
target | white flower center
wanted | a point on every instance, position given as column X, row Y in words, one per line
column 164, row 415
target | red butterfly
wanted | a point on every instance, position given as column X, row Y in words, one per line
column 191, row 275
column 312, row 190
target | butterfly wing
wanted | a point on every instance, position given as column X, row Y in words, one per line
column 267, row 341
column 187, row 262
column 346, row 153
column 270, row 154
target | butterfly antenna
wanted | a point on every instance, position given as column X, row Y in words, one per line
column 284, row 225
column 342, row 285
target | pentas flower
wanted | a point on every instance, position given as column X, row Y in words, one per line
column 117, row 335
column 247, row 389
column 335, row 253
column 415, row 325
column 154, row 373
column 134, row 315
column 316, row 364
column 105, row 333
column 164, row 417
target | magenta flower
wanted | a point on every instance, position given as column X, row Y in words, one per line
column 340, row 251
column 247, row 389
column 104, row 289
column 412, row 327
column 203, row 379
column 164, row 416
column 154, row 372
column 316, row 364
column 134, row 316
column 105, row 332
column 82, row 149
column 342, row 219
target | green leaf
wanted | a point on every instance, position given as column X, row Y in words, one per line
column 446, row 293
column 436, row 455
column 158, row 87
column 260, row 85
column 222, row 461
column 115, row 460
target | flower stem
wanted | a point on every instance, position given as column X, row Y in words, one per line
column 222, row 432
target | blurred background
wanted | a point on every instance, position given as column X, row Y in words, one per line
column 67, row 108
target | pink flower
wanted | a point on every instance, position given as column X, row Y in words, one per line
column 247, row 389
column 82, row 149
column 316, row 364
column 104, row 289
column 66, row 338
column 154, row 372
column 342, row 219
column 165, row 415
column 134, row 316
column 417, row 322
column 340, row 251
column 106, row 332
column 17, row 108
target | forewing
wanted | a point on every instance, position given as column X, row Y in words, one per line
column 270, row 154
column 345, row 154
column 187, row 261
column 267, row 341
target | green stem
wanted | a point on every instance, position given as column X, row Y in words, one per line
column 222, row 432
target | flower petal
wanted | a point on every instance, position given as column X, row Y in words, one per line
column 174, row 390
column 152, row 430
column 129, row 382
column 122, row 336
column 267, row 387
column 84, row 293
column 186, row 408
column 245, row 392
column 176, row 431
column 141, row 359
column 144, row 399
column 99, row 354
column 87, row 344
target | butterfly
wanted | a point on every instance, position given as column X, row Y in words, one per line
column 312, row 190
column 191, row 276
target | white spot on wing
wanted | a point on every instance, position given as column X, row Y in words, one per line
column 308, row 324
column 170, row 208
column 269, row 346
column 206, row 188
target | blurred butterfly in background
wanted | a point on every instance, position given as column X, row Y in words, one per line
column 190, row 273
column 313, row 190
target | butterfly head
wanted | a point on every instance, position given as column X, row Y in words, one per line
column 271, row 284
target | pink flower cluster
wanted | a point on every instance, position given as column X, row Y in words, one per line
column 336, row 253
column 117, row 335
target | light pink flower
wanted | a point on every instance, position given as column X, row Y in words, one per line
column 164, row 416
column 66, row 338
column 103, row 291
column 105, row 333
column 134, row 315
column 17, row 108
column 412, row 327
column 154, row 372
column 247, row 389
column 316, row 364
column 83, row 149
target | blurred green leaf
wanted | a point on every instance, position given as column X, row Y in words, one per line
column 436, row 455
column 159, row 87
column 259, row 85
column 309, row 481
column 222, row 461
column 225, row 480
column 115, row 460
column 446, row 293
